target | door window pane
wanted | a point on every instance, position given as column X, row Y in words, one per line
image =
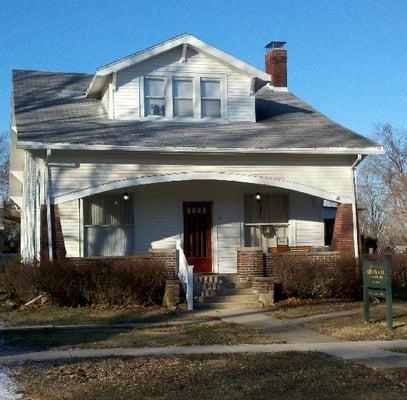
column 183, row 97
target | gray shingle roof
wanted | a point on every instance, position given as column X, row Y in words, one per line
column 51, row 108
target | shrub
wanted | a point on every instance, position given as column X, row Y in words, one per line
column 309, row 278
column 130, row 281
column 19, row 281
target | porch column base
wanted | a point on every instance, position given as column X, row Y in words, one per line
column 250, row 262
column 264, row 288
column 171, row 293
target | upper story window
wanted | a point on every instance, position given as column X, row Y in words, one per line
column 210, row 98
column 182, row 90
column 183, row 97
column 154, row 101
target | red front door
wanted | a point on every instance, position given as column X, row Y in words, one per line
column 197, row 235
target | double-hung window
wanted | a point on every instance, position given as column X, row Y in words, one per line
column 210, row 98
column 182, row 91
column 154, row 96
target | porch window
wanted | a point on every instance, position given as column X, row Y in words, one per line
column 108, row 226
column 154, row 98
column 210, row 98
column 265, row 219
column 182, row 90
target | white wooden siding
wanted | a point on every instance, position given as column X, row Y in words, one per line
column 237, row 85
column 328, row 173
column 159, row 218
column 69, row 214
column 306, row 220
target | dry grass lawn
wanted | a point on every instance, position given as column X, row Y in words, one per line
column 291, row 309
column 214, row 332
column 353, row 328
column 243, row 376
column 53, row 315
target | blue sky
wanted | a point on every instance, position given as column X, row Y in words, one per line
column 346, row 58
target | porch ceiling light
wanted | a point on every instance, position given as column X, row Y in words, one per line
column 258, row 196
column 126, row 196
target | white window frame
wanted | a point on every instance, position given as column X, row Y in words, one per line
column 212, row 98
column 143, row 96
column 181, row 78
column 196, row 100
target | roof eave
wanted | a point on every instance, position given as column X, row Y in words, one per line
column 189, row 40
column 30, row 145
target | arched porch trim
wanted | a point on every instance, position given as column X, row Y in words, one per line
column 198, row 176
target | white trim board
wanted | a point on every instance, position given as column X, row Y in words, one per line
column 30, row 145
column 197, row 176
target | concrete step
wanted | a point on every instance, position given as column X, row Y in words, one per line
column 237, row 298
column 222, row 292
column 228, row 306
column 215, row 278
column 219, row 285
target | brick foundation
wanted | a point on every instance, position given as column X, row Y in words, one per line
column 250, row 262
column 58, row 244
column 342, row 239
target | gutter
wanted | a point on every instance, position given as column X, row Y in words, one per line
column 48, row 205
column 356, row 237
column 30, row 145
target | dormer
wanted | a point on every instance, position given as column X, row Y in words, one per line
column 182, row 79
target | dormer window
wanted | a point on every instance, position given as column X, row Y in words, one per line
column 182, row 90
column 210, row 98
column 154, row 101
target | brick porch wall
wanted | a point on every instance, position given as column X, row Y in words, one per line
column 342, row 239
column 298, row 259
column 58, row 244
column 253, row 263
column 167, row 257
column 250, row 262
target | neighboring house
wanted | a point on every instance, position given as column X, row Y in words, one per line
column 178, row 141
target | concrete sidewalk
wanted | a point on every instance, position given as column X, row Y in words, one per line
column 366, row 353
column 287, row 330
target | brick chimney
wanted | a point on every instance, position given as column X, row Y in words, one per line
column 276, row 64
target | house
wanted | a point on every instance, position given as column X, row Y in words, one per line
column 180, row 141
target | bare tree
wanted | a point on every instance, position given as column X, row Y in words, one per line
column 383, row 189
column 4, row 164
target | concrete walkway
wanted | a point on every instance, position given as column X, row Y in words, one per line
column 366, row 353
column 287, row 330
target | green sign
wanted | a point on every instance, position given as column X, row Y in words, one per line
column 377, row 283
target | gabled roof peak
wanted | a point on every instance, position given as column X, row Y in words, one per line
column 179, row 40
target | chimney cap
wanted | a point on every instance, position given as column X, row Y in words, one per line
column 275, row 45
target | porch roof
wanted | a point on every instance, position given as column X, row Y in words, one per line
column 51, row 110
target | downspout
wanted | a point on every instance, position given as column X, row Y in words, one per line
column 356, row 243
column 48, row 205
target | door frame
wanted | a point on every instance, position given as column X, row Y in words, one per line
column 211, row 232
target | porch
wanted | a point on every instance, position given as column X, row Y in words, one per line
column 212, row 219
